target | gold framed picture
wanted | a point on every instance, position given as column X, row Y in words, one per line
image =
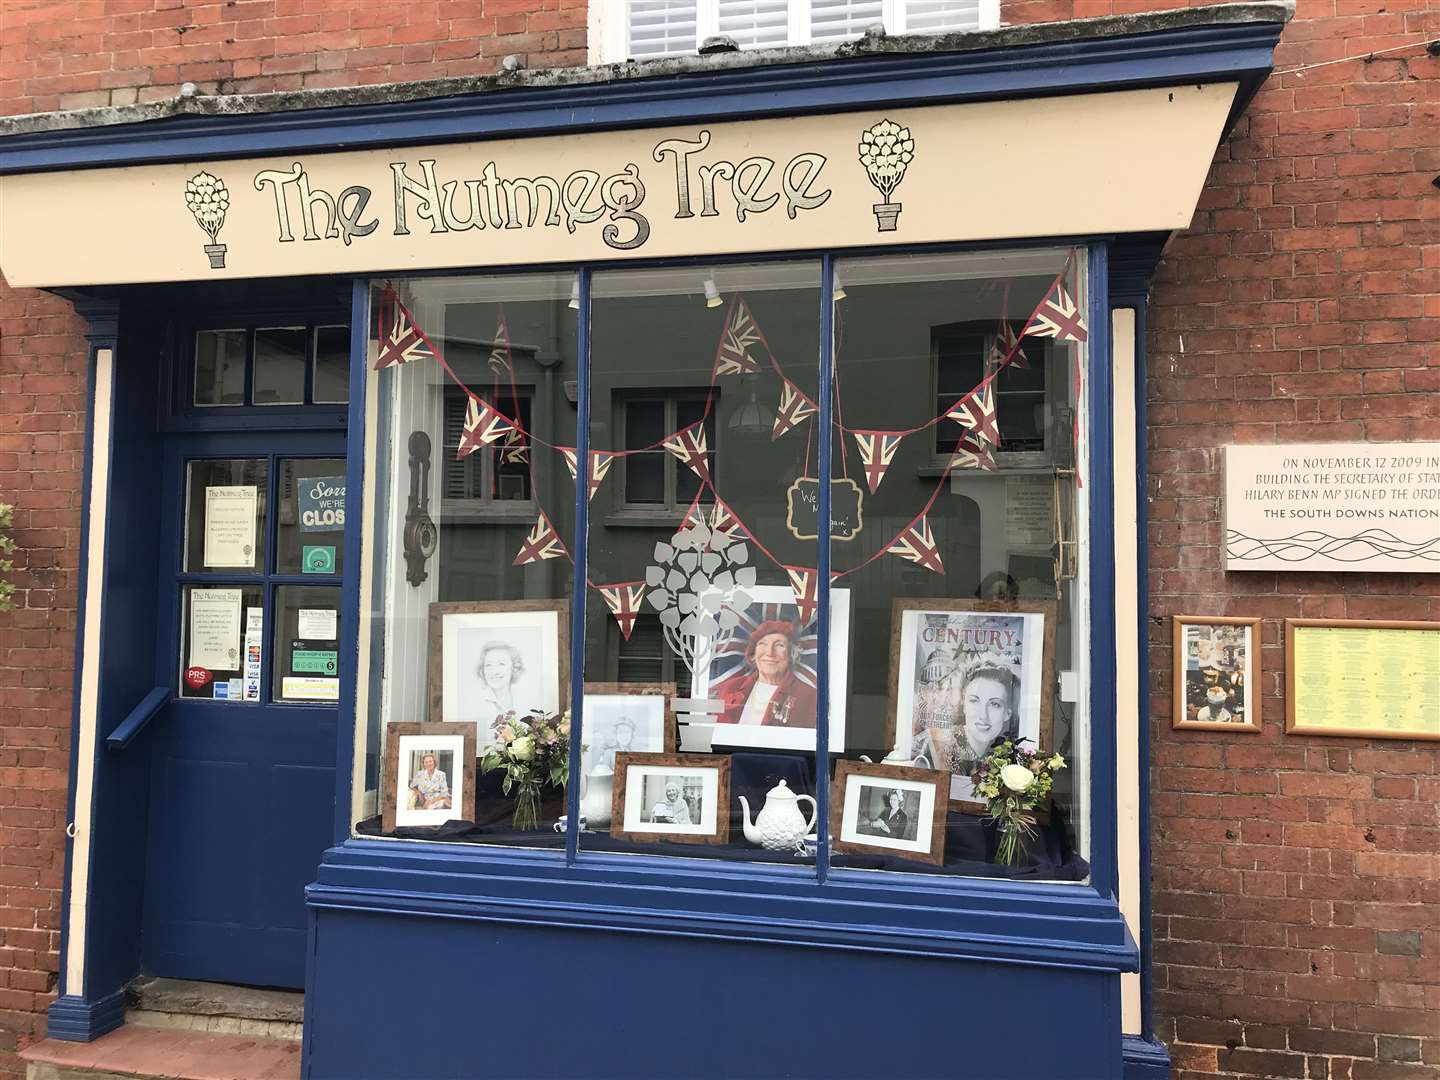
column 1216, row 679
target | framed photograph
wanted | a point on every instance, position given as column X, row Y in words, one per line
column 763, row 673
column 1363, row 679
column 429, row 775
column 965, row 674
column 626, row 718
column 488, row 657
column 671, row 797
column 1217, row 668
column 889, row 810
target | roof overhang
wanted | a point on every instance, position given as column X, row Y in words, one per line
column 1100, row 126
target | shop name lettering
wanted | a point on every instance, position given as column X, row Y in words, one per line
column 755, row 185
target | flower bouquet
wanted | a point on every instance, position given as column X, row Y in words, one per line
column 534, row 751
column 1015, row 781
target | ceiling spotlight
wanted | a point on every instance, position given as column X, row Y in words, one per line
column 575, row 293
column 712, row 293
column 837, row 290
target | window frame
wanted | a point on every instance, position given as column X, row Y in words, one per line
column 482, row 509
column 624, row 512
column 1077, row 924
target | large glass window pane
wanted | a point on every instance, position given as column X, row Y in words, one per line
column 331, row 379
column 475, row 516
column 700, row 681
column 311, row 535
column 225, row 514
column 954, row 462
column 220, row 367
column 305, row 664
column 220, row 642
column 280, row 359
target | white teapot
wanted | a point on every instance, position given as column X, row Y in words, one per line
column 780, row 825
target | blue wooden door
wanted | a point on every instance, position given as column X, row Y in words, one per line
column 243, row 773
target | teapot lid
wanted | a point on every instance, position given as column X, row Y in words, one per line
column 780, row 791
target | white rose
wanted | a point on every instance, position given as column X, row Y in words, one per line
column 523, row 748
column 1016, row 777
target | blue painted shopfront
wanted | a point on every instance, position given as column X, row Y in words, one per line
column 456, row 959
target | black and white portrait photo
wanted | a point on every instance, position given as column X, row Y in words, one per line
column 625, row 718
column 497, row 658
column 674, row 800
column 888, row 811
column 675, row 796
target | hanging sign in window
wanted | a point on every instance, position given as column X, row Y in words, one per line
column 215, row 629
column 322, row 503
column 847, row 513
column 230, row 526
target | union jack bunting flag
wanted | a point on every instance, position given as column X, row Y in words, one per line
column 688, row 444
column 1006, row 344
column 600, row 462
column 733, row 356
column 542, row 543
column 1058, row 317
column 976, row 412
column 623, row 600
column 803, row 584
column 500, row 353
column 483, row 426
column 794, row 408
column 917, row 544
column 401, row 340
column 514, row 450
column 720, row 519
column 877, row 450
column 970, row 454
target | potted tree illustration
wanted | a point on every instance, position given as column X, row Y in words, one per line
column 885, row 151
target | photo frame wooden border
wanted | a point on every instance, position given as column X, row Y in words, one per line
column 390, row 771
column 1178, row 720
column 846, row 768
column 637, row 689
column 1293, row 727
column 682, row 762
column 435, row 685
column 1048, row 608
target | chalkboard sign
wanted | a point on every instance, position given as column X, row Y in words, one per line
column 847, row 515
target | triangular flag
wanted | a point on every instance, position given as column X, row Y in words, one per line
column 514, row 450
column 803, row 585
column 500, row 360
column 794, row 408
column 1006, row 345
column 542, row 543
column 877, row 450
column 1058, row 317
column 917, row 544
column 600, row 462
column 688, row 444
column 401, row 340
column 623, row 600
column 733, row 356
column 976, row 412
column 483, row 426
column 724, row 520
column 970, row 454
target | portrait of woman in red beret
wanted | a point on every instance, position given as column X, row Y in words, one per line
column 768, row 690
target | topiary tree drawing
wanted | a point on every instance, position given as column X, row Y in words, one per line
column 886, row 150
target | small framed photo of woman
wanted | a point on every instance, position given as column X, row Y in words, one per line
column 1217, row 667
column 491, row 657
column 684, row 797
column 626, row 718
column 429, row 775
column 889, row 810
column 965, row 675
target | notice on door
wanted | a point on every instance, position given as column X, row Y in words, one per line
column 309, row 688
column 230, row 526
column 317, row 623
column 215, row 629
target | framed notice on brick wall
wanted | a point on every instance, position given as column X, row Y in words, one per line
column 1333, row 506
column 1374, row 680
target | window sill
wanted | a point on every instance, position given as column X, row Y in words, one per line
column 1055, row 925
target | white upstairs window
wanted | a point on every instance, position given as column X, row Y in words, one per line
column 643, row 29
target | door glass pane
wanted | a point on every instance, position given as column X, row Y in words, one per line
column 280, row 366
column 306, row 664
column 331, row 382
column 311, row 497
column 220, row 367
column 220, row 643
column 225, row 514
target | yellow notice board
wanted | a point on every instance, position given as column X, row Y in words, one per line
column 1376, row 680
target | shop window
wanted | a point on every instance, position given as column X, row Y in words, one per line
column 274, row 365
column 957, row 607
column 641, row 29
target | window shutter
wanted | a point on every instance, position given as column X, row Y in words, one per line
column 758, row 24
column 941, row 16
column 834, row 20
column 660, row 28
column 455, row 472
column 642, row 656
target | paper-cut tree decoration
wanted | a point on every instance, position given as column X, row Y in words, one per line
column 886, row 150
column 877, row 451
column 976, row 413
column 1058, row 317
column 483, row 425
column 699, row 583
column 733, row 356
column 401, row 339
column 600, row 462
column 624, row 599
column 917, row 544
column 689, row 446
column 542, row 543
column 795, row 408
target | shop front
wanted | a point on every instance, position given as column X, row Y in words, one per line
column 633, row 572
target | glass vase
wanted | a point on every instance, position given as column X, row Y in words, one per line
column 527, row 808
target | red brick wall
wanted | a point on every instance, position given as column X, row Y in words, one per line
column 1297, row 881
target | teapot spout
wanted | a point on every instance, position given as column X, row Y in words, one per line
column 752, row 834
